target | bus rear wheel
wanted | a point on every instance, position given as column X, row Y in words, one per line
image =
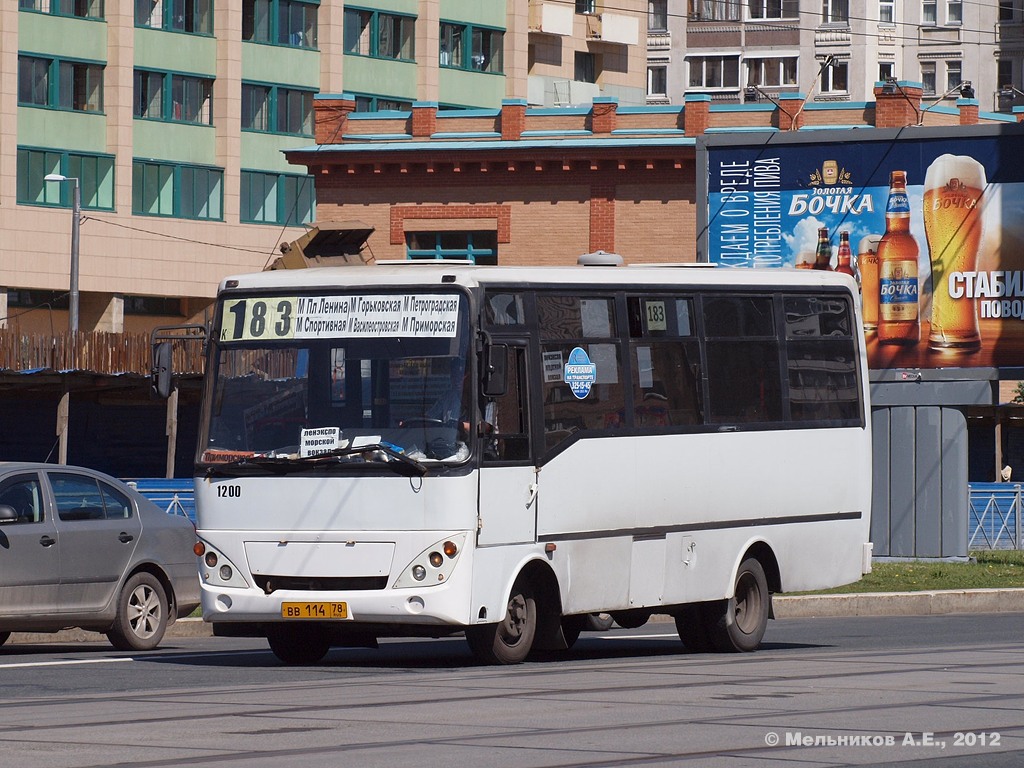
column 510, row 640
column 296, row 644
column 740, row 622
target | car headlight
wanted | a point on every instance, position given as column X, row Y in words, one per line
column 433, row 565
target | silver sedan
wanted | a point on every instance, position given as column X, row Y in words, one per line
column 81, row 549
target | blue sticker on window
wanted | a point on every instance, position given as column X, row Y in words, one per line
column 580, row 374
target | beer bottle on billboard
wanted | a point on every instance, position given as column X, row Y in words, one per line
column 845, row 255
column 867, row 266
column 823, row 256
column 898, row 316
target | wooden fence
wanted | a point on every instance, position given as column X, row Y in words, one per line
column 94, row 352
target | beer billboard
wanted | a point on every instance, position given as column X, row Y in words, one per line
column 932, row 221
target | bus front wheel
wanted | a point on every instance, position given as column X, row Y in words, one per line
column 510, row 640
column 741, row 621
column 297, row 644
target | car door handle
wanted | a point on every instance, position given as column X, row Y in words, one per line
column 124, row 538
column 47, row 541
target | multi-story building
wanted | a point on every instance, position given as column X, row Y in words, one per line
column 170, row 118
column 834, row 50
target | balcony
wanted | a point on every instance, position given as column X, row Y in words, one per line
column 613, row 28
column 551, row 18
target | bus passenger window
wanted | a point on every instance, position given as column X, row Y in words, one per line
column 822, row 360
column 602, row 408
column 744, row 380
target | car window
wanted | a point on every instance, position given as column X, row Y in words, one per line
column 77, row 496
column 117, row 504
column 23, row 494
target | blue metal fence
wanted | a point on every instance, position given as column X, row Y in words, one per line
column 994, row 521
column 176, row 497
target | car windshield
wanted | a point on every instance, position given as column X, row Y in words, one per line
column 296, row 378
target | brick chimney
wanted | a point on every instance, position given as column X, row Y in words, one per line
column 513, row 119
column 330, row 114
column 897, row 104
column 968, row 111
column 603, row 113
column 791, row 113
column 424, row 119
column 696, row 113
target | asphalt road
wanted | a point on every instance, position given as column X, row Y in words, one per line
column 937, row 691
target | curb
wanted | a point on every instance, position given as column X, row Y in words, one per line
column 930, row 603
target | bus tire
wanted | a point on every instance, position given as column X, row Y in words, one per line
column 691, row 624
column 141, row 618
column 510, row 640
column 741, row 621
column 298, row 644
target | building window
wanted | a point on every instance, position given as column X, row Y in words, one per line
column 167, row 306
column 887, row 11
column 835, row 11
column 585, row 67
column 714, row 10
column 60, row 84
column 276, row 109
column 586, row 6
column 885, row 70
column 368, row 103
column 1004, row 73
column 954, row 73
column 657, row 82
column 772, row 71
column 180, row 191
column 929, row 12
column 1010, row 11
column 174, row 97
column 657, row 15
column 834, row 79
column 954, row 12
column 192, row 16
column 478, row 246
column 95, row 174
column 83, row 9
column 277, row 198
column 714, row 71
column 467, row 46
column 928, row 78
column 773, row 9
column 280, row 22
column 378, row 34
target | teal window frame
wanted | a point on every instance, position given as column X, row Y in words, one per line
column 368, row 102
column 74, row 85
column 379, row 34
column 190, row 17
column 471, row 47
column 177, row 97
column 288, row 23
column 283, row 199
column 281, row 109
column 94, row 171
column 177, row 190
column 454, row 244
column 78, row 9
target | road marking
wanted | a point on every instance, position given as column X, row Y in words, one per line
column 119, row 659
column 64, row 662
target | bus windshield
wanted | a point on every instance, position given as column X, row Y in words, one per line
column 300, row 379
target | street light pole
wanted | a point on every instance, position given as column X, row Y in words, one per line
column 76, row 213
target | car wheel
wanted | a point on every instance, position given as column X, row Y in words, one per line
column 4, row 636
column 298, row 644
column 741, row 621
column 141, row 614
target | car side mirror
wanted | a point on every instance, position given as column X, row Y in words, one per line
column 495, row 373
column 8, row 514
column 163, row 370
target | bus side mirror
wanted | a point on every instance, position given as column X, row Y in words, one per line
column 495, row 374
column 163, row 370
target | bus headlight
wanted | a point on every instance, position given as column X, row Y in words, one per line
column 217, row 571
column 431, row 567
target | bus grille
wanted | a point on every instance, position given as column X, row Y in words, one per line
column 271, row 584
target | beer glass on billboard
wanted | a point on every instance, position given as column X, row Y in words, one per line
column 953, row 227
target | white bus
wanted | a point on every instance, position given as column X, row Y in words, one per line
column 425, row 449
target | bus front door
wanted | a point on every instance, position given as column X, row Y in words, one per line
column 508, row 477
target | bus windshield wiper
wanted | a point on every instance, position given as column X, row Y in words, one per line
column 283, row 464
